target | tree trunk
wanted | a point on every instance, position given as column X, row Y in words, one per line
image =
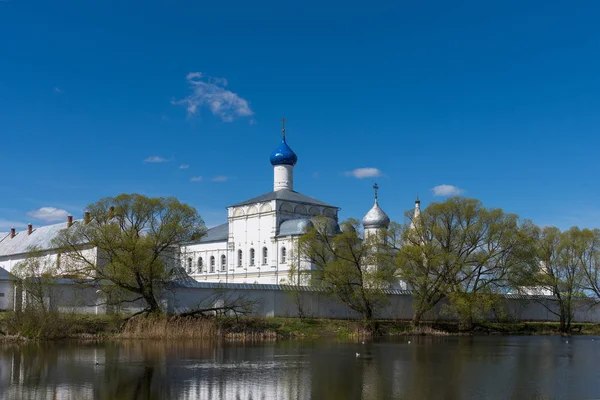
column 466, row 324
column 416, row 320
column 152, row 304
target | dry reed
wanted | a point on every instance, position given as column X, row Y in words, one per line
column 194, row 328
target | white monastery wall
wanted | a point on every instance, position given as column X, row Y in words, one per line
column 272, row 302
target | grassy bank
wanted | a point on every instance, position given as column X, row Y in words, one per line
column 63, row 326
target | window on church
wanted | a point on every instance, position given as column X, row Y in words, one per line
column 265, row 256
column 189, row 265
column 240, row 254
column 283, row 255
column 223, row 262
column 251, row 256
column 200, row 265
column 212, row 263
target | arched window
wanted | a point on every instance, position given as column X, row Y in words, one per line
column 265, row 256
column 189, row 265
column 240, row 254
column 283, row 255
column 223, row 262
column 251, row 256
column 212, row 263
column 200, row 265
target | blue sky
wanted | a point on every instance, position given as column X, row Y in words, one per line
column 496, row 99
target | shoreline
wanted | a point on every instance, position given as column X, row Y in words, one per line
column 103, row 327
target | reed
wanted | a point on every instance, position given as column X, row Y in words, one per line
column 196, row 328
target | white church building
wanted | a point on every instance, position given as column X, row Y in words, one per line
column 257, row 244
column 259, row 241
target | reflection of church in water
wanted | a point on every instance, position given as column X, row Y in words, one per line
column 258, row 243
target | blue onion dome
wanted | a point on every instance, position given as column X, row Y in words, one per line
column 283, row 155
column 376, row 218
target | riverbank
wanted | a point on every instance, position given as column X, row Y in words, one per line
column 70, row 326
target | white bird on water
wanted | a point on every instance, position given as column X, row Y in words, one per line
column 357, row 354
column 409, row 342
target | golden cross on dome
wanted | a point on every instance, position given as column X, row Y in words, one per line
column 376, row 188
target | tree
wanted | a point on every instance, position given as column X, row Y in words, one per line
column 560, row 271
column 466, row 252
column 130, row 246
column 36, row 276
column 589, row 256
column 347, row 266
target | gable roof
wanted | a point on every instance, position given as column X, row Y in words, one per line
column 219, row 233
column 5, row 275
column 284, row 194
column 41, row 237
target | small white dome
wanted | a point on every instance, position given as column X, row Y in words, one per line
column 376, row 218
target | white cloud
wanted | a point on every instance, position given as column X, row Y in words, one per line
column 57, row 89
column 447, row 190
column 361, row 173
column 155, row 159
column 196, row 179
column 184, row 166
column 219, row 178
column 211, row 93
column 49, row 214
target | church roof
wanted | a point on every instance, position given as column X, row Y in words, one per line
column 41, row 237
column 219, row 233
column 5, row 275
column 284, row 194
column 283, row 155
column 376, row 218
column 296, row 226
column 299, row 226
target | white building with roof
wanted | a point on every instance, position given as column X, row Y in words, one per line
column 258, row 243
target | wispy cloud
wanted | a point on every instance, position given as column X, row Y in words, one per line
column 361, row 173
column 211, row 93
column 57, row 89
column 196, row 179
column 49, row 214
column 184, row 166
column 446, row 190
column 155, row 159
column 219, row 178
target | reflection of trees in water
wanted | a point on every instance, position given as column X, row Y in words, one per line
column 149, row 370
column 429, row 368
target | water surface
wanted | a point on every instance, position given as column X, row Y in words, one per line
column 426, row 368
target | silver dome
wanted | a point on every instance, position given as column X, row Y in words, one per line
column 376, row 218
column 296, row 226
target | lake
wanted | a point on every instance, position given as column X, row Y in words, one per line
column 484, row 367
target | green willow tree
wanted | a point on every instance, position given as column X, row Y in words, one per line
column 589, row 257
column 130, row 245
column 347, row 266
column 463, row 251
column 36, row 275
column 561, row 271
